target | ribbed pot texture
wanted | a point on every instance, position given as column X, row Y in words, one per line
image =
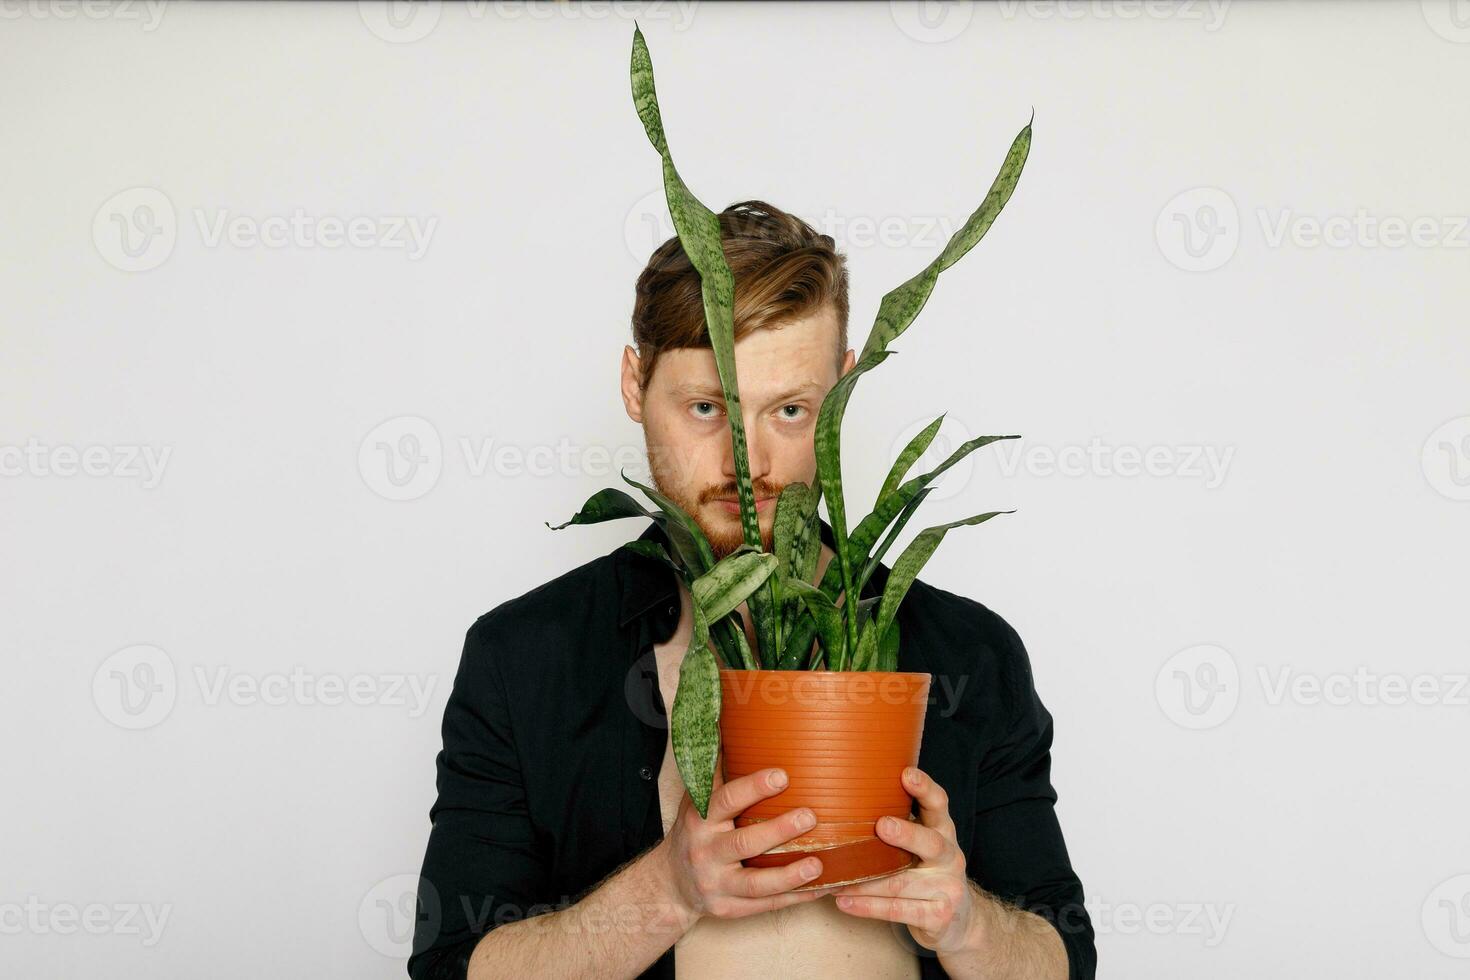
column 843, row 738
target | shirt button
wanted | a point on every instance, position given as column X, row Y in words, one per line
column 645, row 774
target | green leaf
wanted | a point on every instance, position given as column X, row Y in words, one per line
column 654, row 550
column 695, row 718
column 683, row 532
column 888, row 649
column 698, row 229
column 729, row 583
column 892, row 535
column 906, row 569
column 911, row 453
column 828, row 619
column 605, row 505
column 899, row 307
column 827, row 443
column 797, row 543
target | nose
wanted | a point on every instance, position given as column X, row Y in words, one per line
column 755, row 447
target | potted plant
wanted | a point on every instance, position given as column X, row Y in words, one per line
column 818, row 692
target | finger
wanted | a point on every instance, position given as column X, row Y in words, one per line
column 750, row 906
column 758, row 838
column 765, row 882
column 933, row 800
column 923, row 883
column 920, row 913
column 731, row 799
column 929, row 844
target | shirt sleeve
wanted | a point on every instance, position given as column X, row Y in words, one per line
column 1017, row 852
column 482, row 867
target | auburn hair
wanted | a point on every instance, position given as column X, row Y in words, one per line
column 784, row 270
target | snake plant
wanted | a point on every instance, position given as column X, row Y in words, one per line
column 798, row 623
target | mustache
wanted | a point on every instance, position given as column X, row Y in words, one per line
column 731, row 492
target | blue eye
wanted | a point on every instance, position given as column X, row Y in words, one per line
column 792, row 411
column 705, row 410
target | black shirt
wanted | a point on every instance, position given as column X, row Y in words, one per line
column 555, row 732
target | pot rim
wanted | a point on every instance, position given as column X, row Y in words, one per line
column 826, row 673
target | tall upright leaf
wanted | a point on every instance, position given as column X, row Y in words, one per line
column 900, row 306
column 698, row 229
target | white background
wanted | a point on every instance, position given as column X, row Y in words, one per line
column 1224, row 826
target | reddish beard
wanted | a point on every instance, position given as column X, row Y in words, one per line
column 726, row 535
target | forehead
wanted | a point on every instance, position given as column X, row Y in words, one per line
column 768, row 360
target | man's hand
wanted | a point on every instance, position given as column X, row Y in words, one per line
column 704, row 855
column 935, row 898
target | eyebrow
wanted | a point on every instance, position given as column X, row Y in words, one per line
column 716, row 393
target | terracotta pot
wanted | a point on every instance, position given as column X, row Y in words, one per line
column 843, row 738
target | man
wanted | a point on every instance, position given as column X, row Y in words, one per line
column 564, row 843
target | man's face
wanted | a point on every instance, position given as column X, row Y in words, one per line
column 784, row 373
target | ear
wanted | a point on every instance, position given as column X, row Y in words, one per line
column 632, row 393
column 848, row 360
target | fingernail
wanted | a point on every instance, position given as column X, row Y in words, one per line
column 844, row 901
column 889, row 824
column 912, row 775
column 778, row 779
column 806, row 820
column 810, row 869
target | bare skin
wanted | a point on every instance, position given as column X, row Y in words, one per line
column 691, row 888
